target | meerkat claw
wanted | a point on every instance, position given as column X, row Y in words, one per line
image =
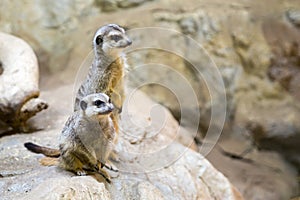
column 81, row 173
column 96, row 168
column 111, row 168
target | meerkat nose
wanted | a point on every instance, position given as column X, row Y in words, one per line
column 111, row 107
column 129, row 42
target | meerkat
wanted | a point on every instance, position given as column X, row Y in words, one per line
column 86, row 140
column 107, row 70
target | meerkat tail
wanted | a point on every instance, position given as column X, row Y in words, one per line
column 48, row 161
column 43, row 150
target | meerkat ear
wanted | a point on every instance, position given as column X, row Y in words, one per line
column 83, row 105
column 99, row 40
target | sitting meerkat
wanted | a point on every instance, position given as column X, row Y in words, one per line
column 86, row 140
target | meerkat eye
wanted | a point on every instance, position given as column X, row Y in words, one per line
column 109, row 100
column 98, row 103
column 99, row 40
column 116, row 37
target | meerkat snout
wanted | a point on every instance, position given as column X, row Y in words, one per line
column 103, row 108
column 129, row 42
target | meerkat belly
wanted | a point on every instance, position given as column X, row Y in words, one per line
column 102, row 150
column 94, row 140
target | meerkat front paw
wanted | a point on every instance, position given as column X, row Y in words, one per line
column 81, row 172
column 108, row 165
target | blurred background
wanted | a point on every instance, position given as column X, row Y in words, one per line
column 255, row 45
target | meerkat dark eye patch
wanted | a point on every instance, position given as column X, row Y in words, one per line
column 99, row 40
column 98, row 103
column 116, row 38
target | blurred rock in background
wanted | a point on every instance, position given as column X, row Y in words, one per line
column 19, row 85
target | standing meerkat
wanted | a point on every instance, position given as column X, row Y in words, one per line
column 107, row 70
column 86, row 140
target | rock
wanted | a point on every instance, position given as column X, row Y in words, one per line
column 1, row 68
column 155, row 166
column 198, row 24
column 253, row 111
column 38, row 19
column 261, row 175
column 284, row 67
column 131, row 3
column 113, row 5
column 260, row 102
column 66, row 187
column 18, row 83
column 147, row 191
column 107, row 5
column 183, row 80
column 255, row 57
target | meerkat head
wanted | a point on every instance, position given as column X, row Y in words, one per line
column 111, row 39
column 96, row 105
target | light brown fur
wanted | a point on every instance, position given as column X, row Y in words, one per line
column 49, row 161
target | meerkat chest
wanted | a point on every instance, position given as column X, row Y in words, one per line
column 89, row 133
column 97, row 138
column 114, row 73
